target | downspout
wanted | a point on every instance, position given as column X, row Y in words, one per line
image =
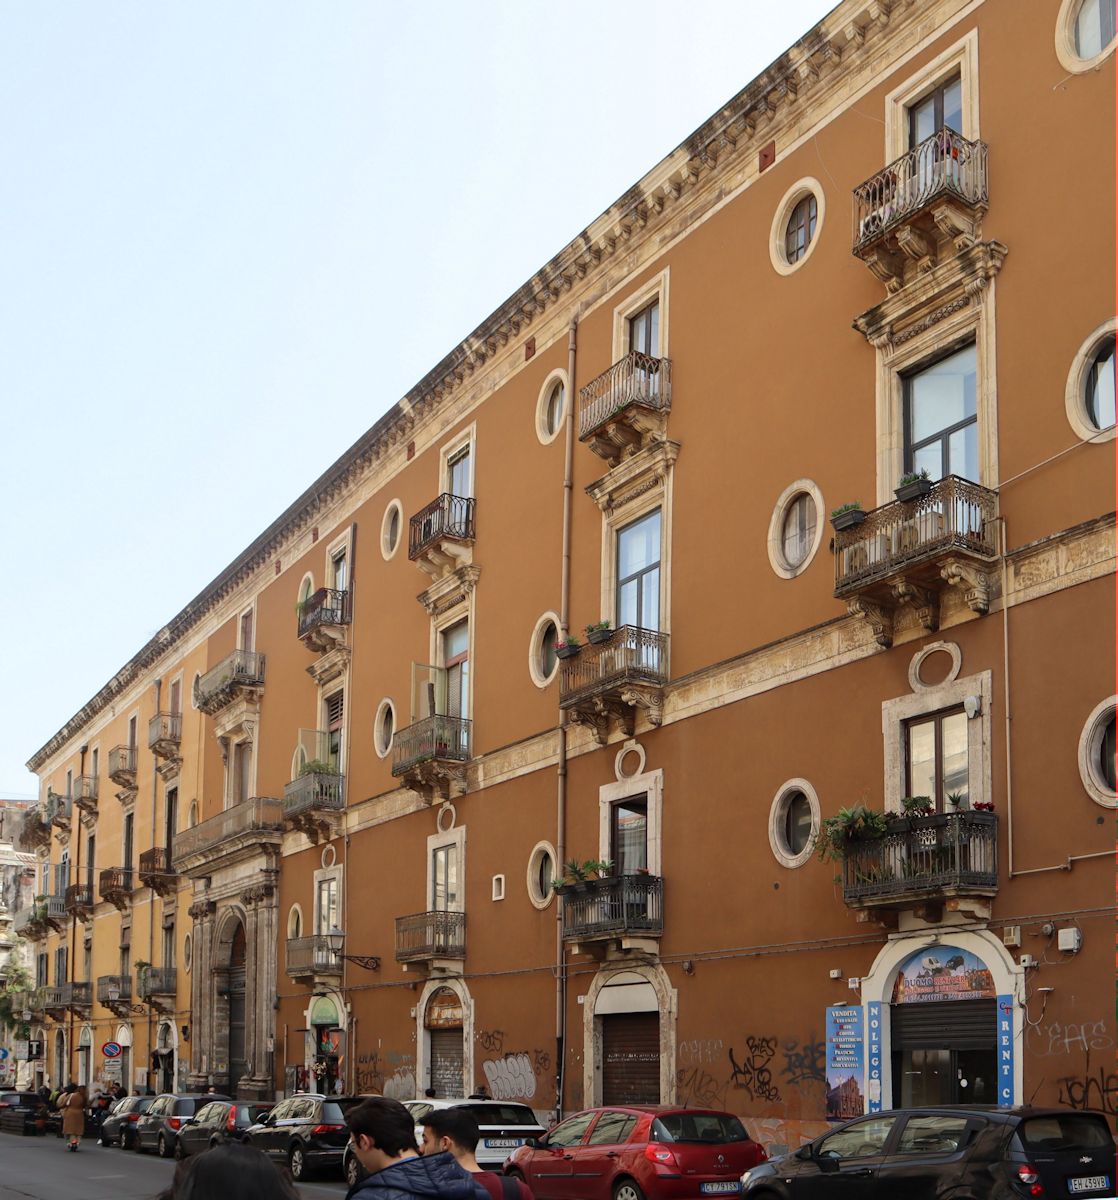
column 151, row 905
column 76, row 826
column 351, row 1029
column 561, row 798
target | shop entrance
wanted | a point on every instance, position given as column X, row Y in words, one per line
column 631, row 1058
column 443, row 1021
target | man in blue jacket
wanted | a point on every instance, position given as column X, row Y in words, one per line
column 382, row 1133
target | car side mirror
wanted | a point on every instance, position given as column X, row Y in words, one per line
column 806, row 1153
column 533, row 1143
column 188, row 1120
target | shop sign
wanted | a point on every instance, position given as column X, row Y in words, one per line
column 873, row 1020
column 937, row 973
column 1005, row 1050
column 845, row 1047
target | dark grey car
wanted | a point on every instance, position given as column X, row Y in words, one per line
column 217, row 1122
column 119, row 1127
column 158, row 1128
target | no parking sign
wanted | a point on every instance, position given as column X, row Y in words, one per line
column 111, row 1049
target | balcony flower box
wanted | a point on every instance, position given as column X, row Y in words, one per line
column 599, row 633
column 567, row 649
column 847, row 516
column 912, row 487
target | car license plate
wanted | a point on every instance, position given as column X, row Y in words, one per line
column 1088, row 1183
column 730, row 1187
column 503, row 1143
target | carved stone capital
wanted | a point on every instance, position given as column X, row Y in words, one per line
column 330, row 665
column 972, row 580
column 450, row 590
column 259, row 894
column 879, row 617
column 646, row 471
column 202, row 910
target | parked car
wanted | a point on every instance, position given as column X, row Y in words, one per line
column 22, row 1112
column 158, row 1128
column 220, row 1121
column 119, row 1127
column 307, row 1132
column 925, row 1153
column 628, row 1152
column 503, row 1127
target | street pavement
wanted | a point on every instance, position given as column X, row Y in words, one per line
column 41, row 1168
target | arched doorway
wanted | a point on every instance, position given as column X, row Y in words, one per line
column 85, row 1057
column 60, row 1074
column 163, row 1058
column 122, row 1073
column 238, row 1062
column 328, row 1037
column 443, row 1021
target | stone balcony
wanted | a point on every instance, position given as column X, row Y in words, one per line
column 156, row 871
column 114, row 992
column 34, row 829
column 910, row 552
column 79, row 900
column 238, row 676
column 237, row 834
column 63, row 998
column 626, row 406
column 614, row 678
column 924, row 865
column 311, row 957
column 54, row 915
column 84, row 794
column 322, row 619
column 59, row 811
column 122, row 766
column 314, row 803
column 441, row 535
column 158, row 987
column 925, row 206
column 625, row 913
column 436, row 940
column 114, row 884
column 430, row 756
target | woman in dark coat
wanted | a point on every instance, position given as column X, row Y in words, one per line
column 72, row 1108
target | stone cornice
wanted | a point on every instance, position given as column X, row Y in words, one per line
column 855, row 36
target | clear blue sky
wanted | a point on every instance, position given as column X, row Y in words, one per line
column 233, row 234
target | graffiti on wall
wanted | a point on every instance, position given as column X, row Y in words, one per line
column 512, row 1076
column 1096, row 1088
column 1076, row 1037
column 389, row 1074
column 752, row 1071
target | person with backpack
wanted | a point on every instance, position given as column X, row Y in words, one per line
column 455, row 1131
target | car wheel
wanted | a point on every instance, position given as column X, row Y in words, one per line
column 164, row 1150
column 627, row 1189
column 353, row 1170
column 296, row 1160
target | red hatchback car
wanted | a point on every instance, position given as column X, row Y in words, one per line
column 633, row 1152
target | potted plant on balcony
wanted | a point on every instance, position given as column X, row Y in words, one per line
column 850, row 826
column 568, row 648
column 579, row 876
column 599, row 632
column 846, row 516
column 315, row 766
column 913, row 485
column 913, row 809
column 982, row 812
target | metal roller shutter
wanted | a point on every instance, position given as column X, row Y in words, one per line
column 631, row 1058
column 446, row 1062
column 952, row 1025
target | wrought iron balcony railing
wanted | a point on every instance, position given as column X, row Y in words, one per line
column 54, row 912
column 943, row 165
column 79, row 899
column 122, row 766
column 316, row 791
column 156, row 981
column 630, row 905
column 637, row 380
column 114, row 989
column 156, row 871
column 327, row 606
column 258, row 815
column 312, row 956
column 84, row 793
column 921, row 857
column 30, row 1001
column 221, row 684
column 65, row 996
column 437, row 738
column 955, row 516
column 632, row 655
column 447, row 517
column 427, row 935
column 59, row 809
column 115, row 883
column 165, row 734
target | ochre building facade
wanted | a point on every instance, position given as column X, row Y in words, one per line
column 307, row 837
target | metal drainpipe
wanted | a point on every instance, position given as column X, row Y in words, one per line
column 151, row 904
column 561, row 800
column 351, row 1033
column 76, row 826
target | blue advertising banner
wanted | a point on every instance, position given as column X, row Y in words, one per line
column 845, row 1062
column 874, row 1089
column 1005, row 1050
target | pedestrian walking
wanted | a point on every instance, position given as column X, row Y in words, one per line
column 72, row 1107
column 454, row 1130
column 382, row 1134
column 231, row 1169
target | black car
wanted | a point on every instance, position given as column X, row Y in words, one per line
column 119, row 1127
column 22, row 1112
column 306, row 1132
column 217, row 1122
column 158, row 1128
column 926, row 1153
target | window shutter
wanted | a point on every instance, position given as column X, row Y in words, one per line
column 335, row 710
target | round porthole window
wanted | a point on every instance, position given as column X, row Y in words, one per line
column 187, row 952
column 1089, row 395
column 797, row 225
column 390, row 529
column 1085, row 34
column 795, row 528
column 794, row 823
column 1096, row 754
column 384, row 728
column 543, row 660
column 541, row 874
column 551, row 407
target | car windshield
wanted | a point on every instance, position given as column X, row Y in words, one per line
column 500, row 1114
column 1064, row 1131
column 698, row 1127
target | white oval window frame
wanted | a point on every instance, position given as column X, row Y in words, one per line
column 392, row 506
column 559, row 375
column 535, row 645
column 777, row 561
column 1088, row 754
column 534, row 860
column 1065, row 42
column 378, row 727
column 808, row 186
column 782, row 853
column 1075, row 397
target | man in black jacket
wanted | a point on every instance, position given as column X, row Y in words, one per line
column 382, row 1134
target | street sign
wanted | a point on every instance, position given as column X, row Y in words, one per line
column 4, row 1052
column 34, row 1049
column 21, row 1048
column 111, row 1049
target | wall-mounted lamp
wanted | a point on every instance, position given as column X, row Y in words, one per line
column 335, row 939
column 185, row 1033
column 688, row 967
column 972, row 706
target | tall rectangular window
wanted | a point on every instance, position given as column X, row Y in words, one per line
column 94, row 762
column 444, row 879
column 171, row 819
column 87, row 960
column 126, row 841
column 629, row 836
column 460, row 479
column 940, row 109
column 456, row 662
column 41, row 970
column 241, row 781
column 60, row 965
column 246, row 630
column 169, row 944
column 132, row 732
column 125, row 958
column 90, row 859
column 335, row 719
column 937, row 759
column 644, row 331
column 326, row 906
column 176, row 696
column 941, row 417
column 638, row 573
column 339, row 571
